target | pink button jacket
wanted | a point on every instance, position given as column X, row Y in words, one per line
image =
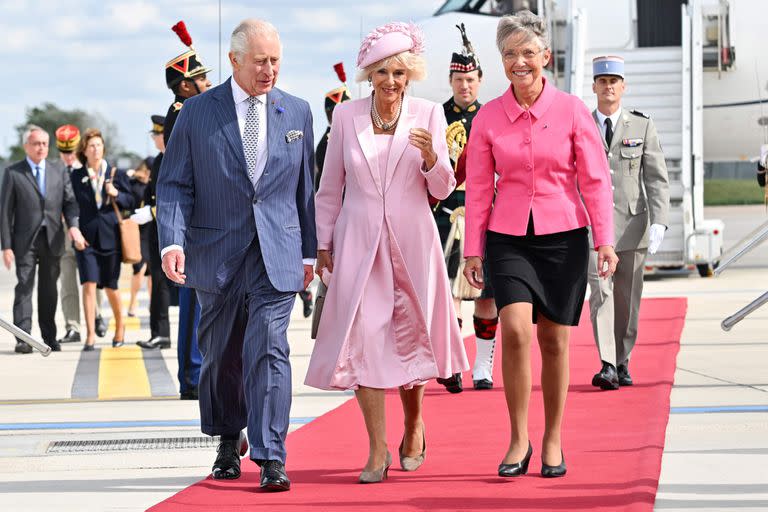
column 550, row 164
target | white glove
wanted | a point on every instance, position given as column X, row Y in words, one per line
column 655, row 237
column 142, row 215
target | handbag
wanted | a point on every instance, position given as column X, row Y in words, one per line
column 130, row 239
column 318, row 311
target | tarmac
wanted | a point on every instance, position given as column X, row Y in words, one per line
column 80, row 436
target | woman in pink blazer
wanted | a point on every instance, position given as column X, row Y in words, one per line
column 388, row 319
column 542, row 149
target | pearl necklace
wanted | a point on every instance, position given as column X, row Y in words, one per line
column 379, row 122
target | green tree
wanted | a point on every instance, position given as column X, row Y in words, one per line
column 49, row 117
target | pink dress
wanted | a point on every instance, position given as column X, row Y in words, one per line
column 388, row 318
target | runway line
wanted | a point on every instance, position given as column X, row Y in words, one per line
column 73, row 425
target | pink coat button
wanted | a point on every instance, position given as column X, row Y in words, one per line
column 527, row 140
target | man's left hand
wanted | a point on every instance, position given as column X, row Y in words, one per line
column 309, row 274
column 76, row 236
column 655, row 237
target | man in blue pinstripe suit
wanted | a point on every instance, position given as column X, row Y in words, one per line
column 236, row 223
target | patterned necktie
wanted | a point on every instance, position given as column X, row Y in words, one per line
column 39, row 178
column 251, row 137
column 608, row 131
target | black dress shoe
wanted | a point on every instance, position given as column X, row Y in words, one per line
column 156, row 342
column 482, row 384
column 306, row 299
column 190, row 394
column 55, row 347
column 518, row 468
column 606, row 378
column 88, row 348
column 548, row 471
column 22, row 348
column 100, row 326
column 117, row 343
column 625, row 379
column 227, row 464
column 273, row 476
column 71, row 337
column 453, row 383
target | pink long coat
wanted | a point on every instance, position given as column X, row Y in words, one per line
column 427, row 336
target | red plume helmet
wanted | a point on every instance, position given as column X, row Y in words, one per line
column 181, row 30
column 339, row 68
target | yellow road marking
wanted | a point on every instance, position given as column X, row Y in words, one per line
column 122, row 374
column 132, row 323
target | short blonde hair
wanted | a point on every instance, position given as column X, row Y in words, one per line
column 415, row 64
column 532, row 27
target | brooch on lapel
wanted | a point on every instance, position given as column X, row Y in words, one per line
column 279, row 109
column 293, row 135
column 631, row 143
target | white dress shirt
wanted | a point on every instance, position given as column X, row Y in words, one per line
column 614, row 120
column 241, row 109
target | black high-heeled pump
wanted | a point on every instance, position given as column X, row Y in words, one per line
column 518, row 468
column 548, row 471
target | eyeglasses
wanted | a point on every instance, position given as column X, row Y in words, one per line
column 525, row 54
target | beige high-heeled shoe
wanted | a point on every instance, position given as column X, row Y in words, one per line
column 412, row 463
column 377, row 475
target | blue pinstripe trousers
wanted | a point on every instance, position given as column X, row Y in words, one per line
column 246, row 374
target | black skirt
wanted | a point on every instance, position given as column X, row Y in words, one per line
column 547, row 271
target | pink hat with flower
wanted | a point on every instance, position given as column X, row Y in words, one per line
column 388, row 40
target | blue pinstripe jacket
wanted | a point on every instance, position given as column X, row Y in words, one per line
column 207, row 205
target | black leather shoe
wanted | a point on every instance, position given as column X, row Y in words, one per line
column 55, row 347
column 100, row 326
column 117, row 343
column 22, row 348
column 607, row 378
column 553, row 471
column 227, row 464
column 625, row 379
column 306, row 299
column 453, row 383
column 273, row 476
column 71, row 337
column 156, row 342
column 482, row 384
column 518, row 468
column 190, row 394
column 88, row 348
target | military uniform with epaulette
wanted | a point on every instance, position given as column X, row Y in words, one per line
column 449, row 217
column 641, row 199
column 184, row 67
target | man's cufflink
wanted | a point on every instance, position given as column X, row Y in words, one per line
column 293, row 135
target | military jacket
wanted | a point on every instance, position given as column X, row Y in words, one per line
column 459, row 124
column 640, row 179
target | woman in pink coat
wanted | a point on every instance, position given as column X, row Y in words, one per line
column 388, row 319
column 536, row 177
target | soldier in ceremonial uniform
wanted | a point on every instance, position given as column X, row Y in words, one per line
column 67, row 139
column 332, row 98
column 465, row 77
column 186, row 76
column 641, row 194
column 159, row 325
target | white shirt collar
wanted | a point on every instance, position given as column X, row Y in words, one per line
column 614, row 117
column 239, row 95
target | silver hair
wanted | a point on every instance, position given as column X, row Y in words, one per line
column 238, row 43
column 413, row 63
column 525, row 22
column 32, row 128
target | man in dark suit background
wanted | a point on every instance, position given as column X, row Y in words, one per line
column 35, row 194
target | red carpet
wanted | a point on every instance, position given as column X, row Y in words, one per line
column 613, row 443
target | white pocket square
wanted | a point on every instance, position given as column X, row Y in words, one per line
column 293, row 135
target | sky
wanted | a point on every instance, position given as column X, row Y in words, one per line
column 109, row 56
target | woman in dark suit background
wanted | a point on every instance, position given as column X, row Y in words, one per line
column 99, row 257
